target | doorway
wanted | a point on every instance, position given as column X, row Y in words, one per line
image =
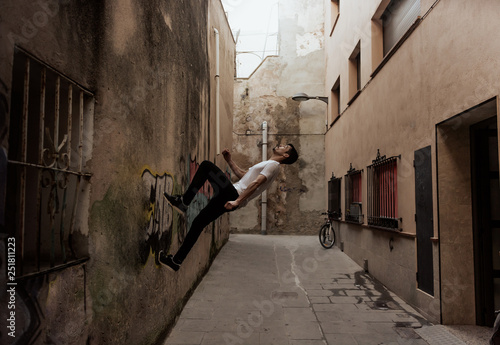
column 424, row 219
column 486, row 218
column 467, row 204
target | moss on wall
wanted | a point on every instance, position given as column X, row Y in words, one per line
column 147, row 66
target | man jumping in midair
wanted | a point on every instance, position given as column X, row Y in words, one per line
column 227, row 197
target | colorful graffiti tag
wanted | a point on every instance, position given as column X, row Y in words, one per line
column 162, row 220
column 164, row 224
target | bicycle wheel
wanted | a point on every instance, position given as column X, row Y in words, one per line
column 327, row 236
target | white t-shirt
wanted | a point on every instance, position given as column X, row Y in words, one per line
column 269, row 169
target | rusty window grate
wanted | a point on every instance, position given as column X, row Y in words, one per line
column 383, row 192
column 50, row 142
column 334, row 197
column 353, row 198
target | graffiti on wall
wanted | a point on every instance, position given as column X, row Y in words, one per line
column 162, row 220
column 164, row 224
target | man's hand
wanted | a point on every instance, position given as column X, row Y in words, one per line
column 231, row 205
column 227, row 155
column 235, row 168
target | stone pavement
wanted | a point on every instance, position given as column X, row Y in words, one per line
column 274, row 290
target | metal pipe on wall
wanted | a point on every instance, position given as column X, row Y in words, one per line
column 217, row 93
column 263, row 228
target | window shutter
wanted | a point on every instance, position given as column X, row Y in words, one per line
column 334, row 196
column 398, row 18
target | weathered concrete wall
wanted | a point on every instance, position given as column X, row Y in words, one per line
column 435, row 75
column 297, row 197
column 150, row 67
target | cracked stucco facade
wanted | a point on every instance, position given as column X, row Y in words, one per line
column 297, row 197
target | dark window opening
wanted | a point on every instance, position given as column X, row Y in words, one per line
column 335, row 13
column 335, row 100
column 353, row 203
column 334, row 197
column 50, row 139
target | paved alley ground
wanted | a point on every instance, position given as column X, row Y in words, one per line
column 274, row 290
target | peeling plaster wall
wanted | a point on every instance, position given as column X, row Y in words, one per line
column 297, row 197
column 151, row 68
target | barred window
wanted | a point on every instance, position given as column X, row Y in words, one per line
column 334, row 197
column 353, row 202
column 50, row 141
column 383, row 192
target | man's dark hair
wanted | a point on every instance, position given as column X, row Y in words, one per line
column 292, row 155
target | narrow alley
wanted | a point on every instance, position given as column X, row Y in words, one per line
column 131, row 130
column 288, row 290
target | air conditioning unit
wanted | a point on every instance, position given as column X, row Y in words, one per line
column 355, row 212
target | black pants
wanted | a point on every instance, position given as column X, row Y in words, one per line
column 223, row 192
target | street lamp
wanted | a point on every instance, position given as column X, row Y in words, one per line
column 301, row 97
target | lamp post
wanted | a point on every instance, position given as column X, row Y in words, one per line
column 301, row 97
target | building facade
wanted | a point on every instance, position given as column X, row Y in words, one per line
column 294, row 202
column 412, row 149
column 105, row 106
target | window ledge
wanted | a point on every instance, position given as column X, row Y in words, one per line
column 352, row 222
column 394, row 231
column 391, row 52
column 53, row 269
column 354, row 97
column 335, row 24
column 378, row 228
column 335, row 120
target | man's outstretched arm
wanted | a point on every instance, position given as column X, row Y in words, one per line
column 252, row 187
column 234, row 167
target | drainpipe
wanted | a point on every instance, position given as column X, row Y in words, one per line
column 263, row 228
column 217, row 93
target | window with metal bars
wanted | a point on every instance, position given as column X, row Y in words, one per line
column 353, row 197
column 334, row 197
column 50, row 142
column 383, row 192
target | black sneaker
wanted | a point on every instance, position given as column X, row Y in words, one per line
column 168, row 260
column 176, row 201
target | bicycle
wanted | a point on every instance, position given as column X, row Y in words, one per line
column 326, row 232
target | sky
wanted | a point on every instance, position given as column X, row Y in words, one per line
column 254, row 24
